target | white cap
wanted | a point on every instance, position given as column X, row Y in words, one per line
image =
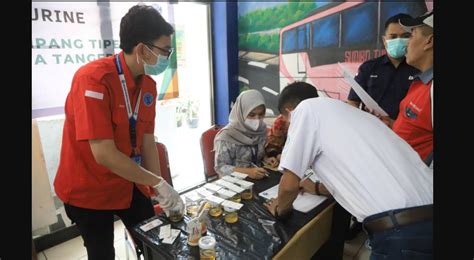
column 207, row 242
column 230, row 209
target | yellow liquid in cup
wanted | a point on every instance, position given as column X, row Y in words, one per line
column 192, row 210
column 207, row 254
column 175, row 216
column 236, row 198
column 193, row 241
column 231, row 217
column 215, row 212
column 247, row 195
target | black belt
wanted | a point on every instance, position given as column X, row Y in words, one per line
column 403, row 217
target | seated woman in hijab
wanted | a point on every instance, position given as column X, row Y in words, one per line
column 240, row 145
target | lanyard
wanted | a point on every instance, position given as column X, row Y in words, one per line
column 132, row 118
column 254, row 150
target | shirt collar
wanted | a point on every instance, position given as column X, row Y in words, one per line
column 126, row 72
column 386, row 60
column 426, row 76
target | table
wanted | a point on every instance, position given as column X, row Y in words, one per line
column 298, row 237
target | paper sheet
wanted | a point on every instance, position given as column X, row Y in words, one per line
column 231, row 204
column 303, row 203
column 212, row 187
column 151, row 225
column 239, row 175
column 170, row 239
column 368, row 101
column 230, row 179
column 165, row 231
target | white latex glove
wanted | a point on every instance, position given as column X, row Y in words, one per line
column 167, row 196
column 180, row 207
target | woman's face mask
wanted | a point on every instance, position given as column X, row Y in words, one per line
column 397, row 48
column 254, row 124
column 155, row 69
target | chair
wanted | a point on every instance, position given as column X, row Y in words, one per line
column 309, row 239
column 207, row 149
column 166, row 175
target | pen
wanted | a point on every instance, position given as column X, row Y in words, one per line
column 307, row 176
column 254, row 165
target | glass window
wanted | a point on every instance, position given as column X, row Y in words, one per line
column 289, row 41
column 359, row 25
column 302, row 36
column 326, row 32
column 180, row 121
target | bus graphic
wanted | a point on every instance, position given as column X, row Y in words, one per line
column 346, row 32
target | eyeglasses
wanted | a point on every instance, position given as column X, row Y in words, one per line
column 169, row 51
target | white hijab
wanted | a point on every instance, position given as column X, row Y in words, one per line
column 237, row 131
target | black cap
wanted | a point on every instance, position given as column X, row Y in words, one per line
column 409, row 23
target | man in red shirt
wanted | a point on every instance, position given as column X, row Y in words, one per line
column 109, row 162
column 414, row 122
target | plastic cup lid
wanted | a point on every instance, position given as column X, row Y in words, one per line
column 207, row 242
column 229, row 209
column 246, row 185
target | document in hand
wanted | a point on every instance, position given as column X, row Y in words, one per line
column 368, row 101
column 304, row 202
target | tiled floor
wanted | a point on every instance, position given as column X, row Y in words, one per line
column 74, row 248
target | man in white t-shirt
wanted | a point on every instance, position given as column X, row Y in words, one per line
column 368, row 169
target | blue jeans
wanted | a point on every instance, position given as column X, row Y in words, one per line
column 413, row 241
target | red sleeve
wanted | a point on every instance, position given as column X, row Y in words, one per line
column 150, row 125
column 91, row 104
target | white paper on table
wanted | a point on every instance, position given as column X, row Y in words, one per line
column 193, row 196
column 214, row 199
column 303, row 203
column 230, row 186
column 212, row 187
column 151, row 225
column 231, row 204
column 203, row 192
column 165, row 231
column 239, row 175
column 172, row 237
column 226, row 193
column 230, row 179
column 245, row 184
column 368, row 101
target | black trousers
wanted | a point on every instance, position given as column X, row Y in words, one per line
column 97, row 226
column 333, row 249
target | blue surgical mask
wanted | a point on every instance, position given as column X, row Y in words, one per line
column 155, row 69
column 397, row 48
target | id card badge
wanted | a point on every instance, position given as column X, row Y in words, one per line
column 137, row 159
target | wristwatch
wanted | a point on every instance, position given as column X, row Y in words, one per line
column 316, row 188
